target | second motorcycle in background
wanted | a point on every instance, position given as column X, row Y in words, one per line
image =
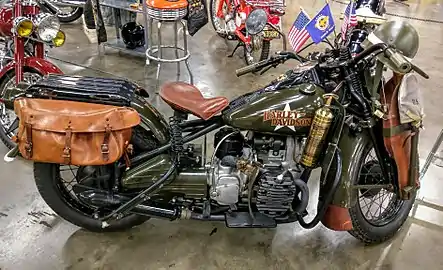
column 252, row 23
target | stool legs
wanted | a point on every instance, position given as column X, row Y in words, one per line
column 176, row 48
column 185, row 47
column 158, row 49
column 160, row 54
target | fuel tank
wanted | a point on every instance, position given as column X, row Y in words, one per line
column 286, row 111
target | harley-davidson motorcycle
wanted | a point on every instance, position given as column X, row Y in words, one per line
column 254, row 24
column 25, row 30
column 106, row 160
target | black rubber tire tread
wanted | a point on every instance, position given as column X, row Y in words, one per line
column 73, row 17
column 47, row 187
column 362, row 229
column 265, row 50
column 212, row 9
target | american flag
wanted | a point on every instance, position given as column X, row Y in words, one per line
column 298, row 34
column 349, row 19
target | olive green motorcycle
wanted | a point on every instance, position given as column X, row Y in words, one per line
column 106, row 160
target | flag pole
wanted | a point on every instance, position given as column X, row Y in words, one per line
column 335, row 32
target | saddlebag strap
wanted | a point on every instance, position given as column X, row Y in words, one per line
column 67, row 148
column 28, row 144
column 105, row 144
column 392, row 131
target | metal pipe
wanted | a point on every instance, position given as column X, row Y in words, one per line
column 431, row 155
column 71, row 3
column 145, row 156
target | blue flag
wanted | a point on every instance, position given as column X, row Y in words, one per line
column 321, row 25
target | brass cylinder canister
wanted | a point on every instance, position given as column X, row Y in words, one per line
column 319, row 129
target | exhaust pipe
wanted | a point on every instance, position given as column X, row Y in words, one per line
column 105, row 199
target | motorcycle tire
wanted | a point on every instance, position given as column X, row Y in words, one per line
column 72, row 16
column 265, row 49
column 365, row 230
column 4, row 137
column 50, row 188
column 213, row 12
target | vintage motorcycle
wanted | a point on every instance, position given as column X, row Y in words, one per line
column 253, row 23
column 106, row 160
column 25, row 31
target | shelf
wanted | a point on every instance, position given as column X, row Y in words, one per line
column 120, row 4
column 118, row 44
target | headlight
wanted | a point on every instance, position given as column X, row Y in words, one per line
column 47, row 26
column 22, row 26
column 256, row 21
column 59, row 39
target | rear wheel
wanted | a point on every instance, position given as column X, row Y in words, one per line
column 59, row 185
column 378, row 213
column 8, row 118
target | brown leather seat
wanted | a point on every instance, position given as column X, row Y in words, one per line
column 186, row 97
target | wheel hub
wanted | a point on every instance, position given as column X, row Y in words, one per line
column 371, row 174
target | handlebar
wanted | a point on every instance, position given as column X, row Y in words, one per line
column 274, row 60
column 251, row 68
column 399, row 61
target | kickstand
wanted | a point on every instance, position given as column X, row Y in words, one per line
column 240, row 44
column 402, row 2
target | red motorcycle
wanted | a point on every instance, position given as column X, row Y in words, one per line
column 25, row 31
column 253, row 23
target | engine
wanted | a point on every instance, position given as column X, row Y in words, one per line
column 232, row 179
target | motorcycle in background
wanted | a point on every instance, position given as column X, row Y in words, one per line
column 26, row 30
column 253, row 23
column 66, row 10
column 369, row 15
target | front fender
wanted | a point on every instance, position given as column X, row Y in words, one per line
column 42, row 66
column 39, row 65
column 352, row 146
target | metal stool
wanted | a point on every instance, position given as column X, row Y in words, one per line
column 167, row 11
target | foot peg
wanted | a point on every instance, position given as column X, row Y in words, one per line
column 244, row 220
column 11, row 155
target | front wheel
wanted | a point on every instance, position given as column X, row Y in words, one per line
column 377, row 214
column 8, row 118
column 219, row 24
column 257, row 51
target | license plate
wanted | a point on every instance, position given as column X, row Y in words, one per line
column 271, row 34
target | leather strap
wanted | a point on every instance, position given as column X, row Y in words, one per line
column 67, row 149
column 105, row 144
column 28, row 144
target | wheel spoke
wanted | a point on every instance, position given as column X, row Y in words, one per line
column 377, row 205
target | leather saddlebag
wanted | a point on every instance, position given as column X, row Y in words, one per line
column 69, row 132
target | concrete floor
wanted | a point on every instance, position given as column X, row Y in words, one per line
column 32, row 237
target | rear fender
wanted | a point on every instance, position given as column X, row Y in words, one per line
column 151, row 119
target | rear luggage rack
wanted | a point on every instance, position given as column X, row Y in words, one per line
column 108, row 91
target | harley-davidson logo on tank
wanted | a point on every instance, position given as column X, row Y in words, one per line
column 286, row 118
